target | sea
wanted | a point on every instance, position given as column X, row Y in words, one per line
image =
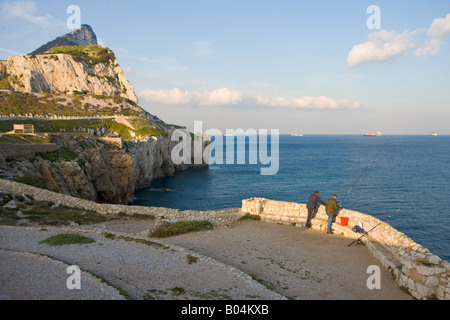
column 383, row 174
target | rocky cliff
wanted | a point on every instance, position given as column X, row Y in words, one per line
column 90, row 69
column 76, row 84
column 95, row 170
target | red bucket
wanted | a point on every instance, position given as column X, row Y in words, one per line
column 344, row 221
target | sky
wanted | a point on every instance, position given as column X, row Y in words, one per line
column 311, row 67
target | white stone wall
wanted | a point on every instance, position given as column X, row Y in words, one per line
column 220, row 217
column 414, row 267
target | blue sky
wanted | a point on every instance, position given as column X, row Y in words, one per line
column 299, row 66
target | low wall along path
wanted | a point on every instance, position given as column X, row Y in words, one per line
column 413, row 267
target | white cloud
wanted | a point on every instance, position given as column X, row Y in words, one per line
column 383, row 46
column 228, row 97
column 27, row 10
column 440, row 27
column 431, row 47
column 175, row 96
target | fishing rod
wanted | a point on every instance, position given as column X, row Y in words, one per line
column 358, row 241
column 367, row 168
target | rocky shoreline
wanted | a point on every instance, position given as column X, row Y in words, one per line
column 93, row 169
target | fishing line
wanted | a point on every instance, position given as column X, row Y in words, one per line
column 362, row 174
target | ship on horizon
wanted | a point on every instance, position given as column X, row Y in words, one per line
column 297, row 135
column 373, row 134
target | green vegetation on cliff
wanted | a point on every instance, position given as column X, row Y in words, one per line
column 24, row 139
column 105, row 126
column 62, row 154
column 21, row 103
column 4, row 83
column 91, row 55
column 127, row 133
column 7, row 80
column 37, row 182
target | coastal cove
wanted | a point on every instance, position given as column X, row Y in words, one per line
column 411, row 173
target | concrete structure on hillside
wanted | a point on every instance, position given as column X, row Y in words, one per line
column 24, row 129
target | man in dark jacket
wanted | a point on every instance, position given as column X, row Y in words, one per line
column 313, row 205
column 332, row 210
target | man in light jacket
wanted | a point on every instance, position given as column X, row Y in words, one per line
column 332, row 210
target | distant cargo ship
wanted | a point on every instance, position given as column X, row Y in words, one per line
column 373, row 134
column 433, row 135
column 297, row 135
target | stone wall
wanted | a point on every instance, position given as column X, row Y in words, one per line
column 414, row 267
column 16, row 151
column 220, row 217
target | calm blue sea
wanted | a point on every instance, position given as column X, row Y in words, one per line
column 411, row 173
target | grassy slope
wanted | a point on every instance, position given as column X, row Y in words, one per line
column 20, row 103
column 82, row 126
column 92, row 55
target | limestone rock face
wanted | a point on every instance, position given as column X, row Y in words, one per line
column 66, row 177
column 61, row 73
column 102, row 172
column 153, row 160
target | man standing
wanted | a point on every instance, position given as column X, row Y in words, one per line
column 313, row 205
column 332, row 209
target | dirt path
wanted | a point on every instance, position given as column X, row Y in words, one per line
column 134, row 268
column 293, row 262
column 297, row 263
